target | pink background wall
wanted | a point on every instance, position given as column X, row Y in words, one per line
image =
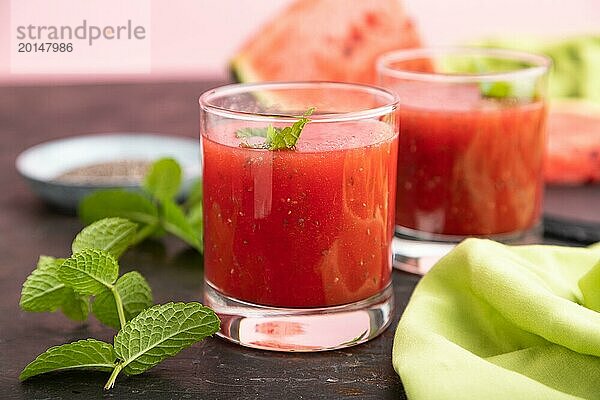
column 195, row 38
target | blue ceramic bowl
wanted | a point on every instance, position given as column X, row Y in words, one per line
column 40, row 165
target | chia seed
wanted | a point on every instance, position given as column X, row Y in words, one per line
column 107, row 173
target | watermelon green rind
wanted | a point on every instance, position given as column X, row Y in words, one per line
column 241, row 70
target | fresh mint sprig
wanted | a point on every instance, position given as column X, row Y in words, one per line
column 275, row 138
column 135, row 295
column 157, row 333
column 43, row 290
column 113, row 235
column 88, row 354
column 160, row 332
column 163, row 179
column 155, row 210
column 147, row 334
column 68, row 283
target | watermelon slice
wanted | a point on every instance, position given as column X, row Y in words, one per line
column 573, row 143
column 333, row 40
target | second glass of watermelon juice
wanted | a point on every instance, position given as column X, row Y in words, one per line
column 297, row 241
column 472, row 144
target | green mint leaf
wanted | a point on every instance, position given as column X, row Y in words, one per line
column 287, row 137
column 279, row 139
column 244, row 133
column 163, row 179
column 498, row 90
column 162, row 331
column 84, row 354
column 195, row 218
column 75, row 307
column 276, row 138
column 113, row 235
column 136, row 296
column 195, row 195
column 118, row 203
column 273, row 135
column 524, row 90
column 43, row 290
column 154, row 231
column 104, row 309
column 89, row 272
column 48, row 262
column 175, row 222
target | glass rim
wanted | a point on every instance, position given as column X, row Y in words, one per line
column 540, row 64
column 207, row 98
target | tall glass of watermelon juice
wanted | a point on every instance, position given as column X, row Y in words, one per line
column 472, row 143
column 297, row 239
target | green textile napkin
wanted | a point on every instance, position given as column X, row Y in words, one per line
column 491, row 321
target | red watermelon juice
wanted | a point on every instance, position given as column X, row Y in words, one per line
column 309, row 227
column 468, row 165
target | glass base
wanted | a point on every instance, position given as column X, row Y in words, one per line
column 416, row 252
column 301, row 329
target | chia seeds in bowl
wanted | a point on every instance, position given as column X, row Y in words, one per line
column 120, row 172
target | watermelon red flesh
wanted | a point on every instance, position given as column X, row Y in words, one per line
column 336, row 40
column 573, row 143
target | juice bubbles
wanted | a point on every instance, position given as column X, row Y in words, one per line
column 468, row 165
column 309, row 227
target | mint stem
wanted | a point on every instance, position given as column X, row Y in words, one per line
column 119, row 304
column 113, row 377
column 143, row 234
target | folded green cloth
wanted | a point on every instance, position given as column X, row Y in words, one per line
column 491, row 321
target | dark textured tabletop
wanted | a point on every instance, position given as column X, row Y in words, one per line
column 212, row 369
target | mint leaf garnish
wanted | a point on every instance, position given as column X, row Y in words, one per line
column 163, row 179
column 75, row 307
column 84, row 354
column 89, row 272
column 43, row 290
column 497, row 90
column 160, row 332
column 135, row 294
column 276, row 138
column 113, row 235
column 250, row 132
column 288, row 136
column 509, row 90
